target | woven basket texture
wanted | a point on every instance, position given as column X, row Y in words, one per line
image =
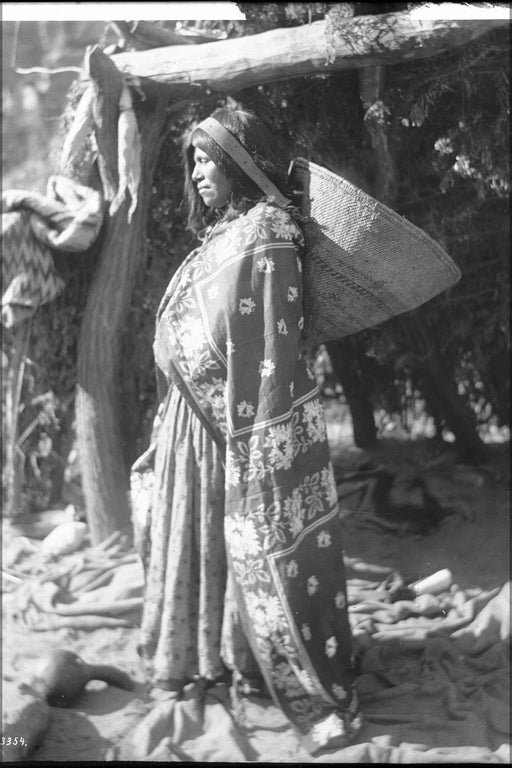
column 363, row 263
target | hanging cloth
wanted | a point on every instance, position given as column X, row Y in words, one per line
column 68, row 218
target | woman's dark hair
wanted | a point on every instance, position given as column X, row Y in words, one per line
column 256, row 139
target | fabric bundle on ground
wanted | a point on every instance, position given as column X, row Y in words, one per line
column 432, row 673
column 433, row 682
column 89, row 589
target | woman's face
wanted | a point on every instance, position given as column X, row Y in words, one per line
column 212, row 185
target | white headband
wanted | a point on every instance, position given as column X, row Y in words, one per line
column 242, row 158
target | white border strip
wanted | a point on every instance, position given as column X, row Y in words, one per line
column 107, row 11
column 460, row 11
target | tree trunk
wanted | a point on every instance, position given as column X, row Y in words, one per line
column 347, row 360
column 103, row 467
column 440, row 389
column 12, row 480
column 317, row 48
column 439, row 386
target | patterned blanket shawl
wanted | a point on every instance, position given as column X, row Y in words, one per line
column 228, row 330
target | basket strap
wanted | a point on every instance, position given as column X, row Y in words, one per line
column 242, row 158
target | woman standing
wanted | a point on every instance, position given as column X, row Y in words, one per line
column 243, row 550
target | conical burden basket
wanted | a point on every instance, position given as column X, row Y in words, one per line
column 363, row 263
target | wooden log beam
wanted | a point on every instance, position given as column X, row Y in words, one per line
column 108, row 80
column 229, row 65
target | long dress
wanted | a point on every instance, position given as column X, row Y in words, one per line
column 244, row 526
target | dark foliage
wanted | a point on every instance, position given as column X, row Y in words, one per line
column 448, row 124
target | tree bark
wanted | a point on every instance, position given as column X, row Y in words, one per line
column 229, row 65
column 12, row 475
column 440, row 390
column 371, row 89
column 104, row 471
column 347, row 360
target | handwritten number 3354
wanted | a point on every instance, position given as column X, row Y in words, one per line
column 7, row 741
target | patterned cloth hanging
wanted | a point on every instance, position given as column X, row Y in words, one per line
column 68, row 218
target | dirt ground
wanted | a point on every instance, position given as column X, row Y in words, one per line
column 474, row 543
